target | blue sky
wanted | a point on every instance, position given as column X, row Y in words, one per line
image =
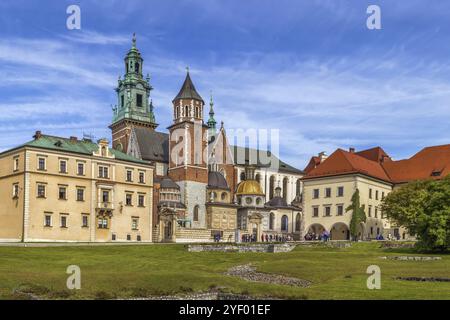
column 308, row 68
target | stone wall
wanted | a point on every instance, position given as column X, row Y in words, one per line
column 186, row 235
column 271, row 248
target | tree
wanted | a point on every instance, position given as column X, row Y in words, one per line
column 423, row 207
column 358, row 214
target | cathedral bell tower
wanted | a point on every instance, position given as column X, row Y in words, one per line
column 134, row 107
column 187, row 151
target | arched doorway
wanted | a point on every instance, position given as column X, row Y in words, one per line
column 361, row 231
column 316, row 230
column 168, row 230
column 339, row 231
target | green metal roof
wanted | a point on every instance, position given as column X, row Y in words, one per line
column 85, row 146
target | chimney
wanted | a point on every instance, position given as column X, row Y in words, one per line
column 73, row 139
column 37, row 135
column 322, row 156
column 351, row 150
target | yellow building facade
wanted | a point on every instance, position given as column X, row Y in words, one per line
column 69, row 190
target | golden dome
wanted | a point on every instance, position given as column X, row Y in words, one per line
column 249, row 187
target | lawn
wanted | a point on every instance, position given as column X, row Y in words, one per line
column 139, row 271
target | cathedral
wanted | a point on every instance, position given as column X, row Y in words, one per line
column 201, row 192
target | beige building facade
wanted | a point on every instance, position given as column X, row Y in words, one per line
column 325, row 201
column 56, row 189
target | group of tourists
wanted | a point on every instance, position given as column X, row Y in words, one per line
column 311, row 236
column 267, row 238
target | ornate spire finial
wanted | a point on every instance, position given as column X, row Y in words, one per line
column 134, row 40
column 187, row 69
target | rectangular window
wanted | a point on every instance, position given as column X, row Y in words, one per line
column 340, row 210
column 340, row 191
column 80, row 194
column 315, row 211
column 128, row 237
column 315, row 193
column 141, row 177
column 15, row 190
column 327, row 211
column 139, row 100
column 134, row 223
column 376, row 212
column 376, row 194
column 382, row 195
column 128, row 199
column 113, row 237
column 103, row 172
column 80, row 169
column 48, row 220
column 122, row 101
column 141, row 200
column 102, row 223
column 370, row 211
column 138, row 238
column 84, row 221
column 63, row 222
column 16, row 163
column 129, row 175
column 370, row 193
column 327, row 192
column 63, row 166
column 105, row 196
column 41, row 164
column 41, row 191
column 62, row 194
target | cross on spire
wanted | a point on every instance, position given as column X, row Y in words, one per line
column 134, row 40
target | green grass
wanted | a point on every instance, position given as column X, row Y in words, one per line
column 139, row 271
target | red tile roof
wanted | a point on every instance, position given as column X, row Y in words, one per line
column 313, row 163
column 421, row 166
column 374, row 154
column 430, row 162
column 343, row 162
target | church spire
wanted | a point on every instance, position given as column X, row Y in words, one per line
column 211, row 121
column 188, row 90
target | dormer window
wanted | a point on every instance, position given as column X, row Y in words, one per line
column 58, row 143
column 436, row 173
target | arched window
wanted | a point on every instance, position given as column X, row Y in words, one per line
column 271, row 221
column 284, row 223
column 223, row 196
column 297, row 222
column 186, row 111
column 136, row 67
column 298, row 187
column 285, row 186
column 196, row 213
column 271, row 186
column 242, row 176
column 104, row 151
